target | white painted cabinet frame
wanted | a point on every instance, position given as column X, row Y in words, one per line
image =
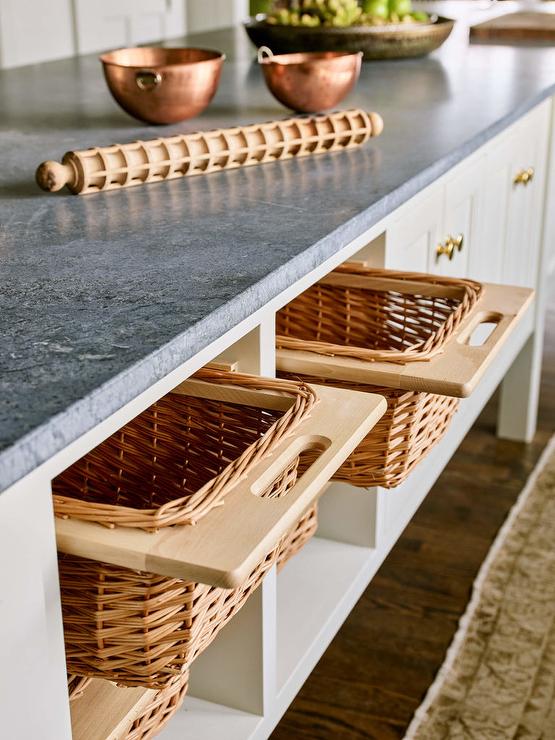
column 244, row 682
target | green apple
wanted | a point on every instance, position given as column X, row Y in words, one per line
column 400, row 7
column 378, row 8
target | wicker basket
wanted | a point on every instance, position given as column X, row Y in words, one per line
column 174, row 462
column 76, row 685
column 297, row 539
column 162, row 707
column 377, row 316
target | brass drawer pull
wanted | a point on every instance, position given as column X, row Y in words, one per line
column 523, row 177
column 448, row 248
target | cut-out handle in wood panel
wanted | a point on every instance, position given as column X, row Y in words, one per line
column 454, row 372
column 224, row 547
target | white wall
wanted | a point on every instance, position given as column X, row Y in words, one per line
column 34, row 31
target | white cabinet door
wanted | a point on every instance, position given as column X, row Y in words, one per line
column 461, row 221
column 105, row 24
column 485, row 260
column 525, row 201
column 415, row 232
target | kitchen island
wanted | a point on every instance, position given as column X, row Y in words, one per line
column 110, row 300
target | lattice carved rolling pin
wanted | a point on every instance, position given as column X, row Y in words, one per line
column 124, row 165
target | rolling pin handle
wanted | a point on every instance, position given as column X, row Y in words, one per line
column 377, row 123
column 52, row 176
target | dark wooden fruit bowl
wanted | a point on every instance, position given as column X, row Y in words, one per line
column 393, row 41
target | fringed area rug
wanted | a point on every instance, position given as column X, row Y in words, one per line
column 498, row 678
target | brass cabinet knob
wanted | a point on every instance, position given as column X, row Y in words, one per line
column 449, row 246
column 523, row 177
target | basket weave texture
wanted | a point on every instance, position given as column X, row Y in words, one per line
column 179, row 458
column 298, row 537
column 76, row 685
column 371, row 323
column 139, row 628
column 164, row 705
column 153, row 717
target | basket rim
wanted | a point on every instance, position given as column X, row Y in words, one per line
column 470, row 290
column 187, row 510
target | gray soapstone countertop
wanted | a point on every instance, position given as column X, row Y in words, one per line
column 103, row 295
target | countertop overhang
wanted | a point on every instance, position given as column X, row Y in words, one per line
column 103, row 295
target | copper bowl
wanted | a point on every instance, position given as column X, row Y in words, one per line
column 309, row 82
column 159, row 85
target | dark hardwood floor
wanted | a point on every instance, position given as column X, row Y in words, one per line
column 379, row 666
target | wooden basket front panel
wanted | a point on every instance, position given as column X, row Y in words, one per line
column 413, row 423
column 140, row 629
column 372, row 324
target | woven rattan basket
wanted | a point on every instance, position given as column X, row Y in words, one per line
column 379, row 316
column 171, row 464
column 163, row 706
column 76, row 685
column 154, row 716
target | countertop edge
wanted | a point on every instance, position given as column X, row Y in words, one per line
column 38, row 446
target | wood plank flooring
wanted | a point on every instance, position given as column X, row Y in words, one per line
column 378, row 668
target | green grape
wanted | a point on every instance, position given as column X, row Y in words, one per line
column 337, row 13
column 376, row 8
column 309, row 20
column 400, row 7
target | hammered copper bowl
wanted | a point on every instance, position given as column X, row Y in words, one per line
column 309, row 82
column 159, row 85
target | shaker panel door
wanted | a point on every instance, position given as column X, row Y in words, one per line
column 414, row 232
column 461, row 222
column 525, row 202
column 105, row 24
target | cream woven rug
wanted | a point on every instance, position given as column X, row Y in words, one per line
column 498, row 678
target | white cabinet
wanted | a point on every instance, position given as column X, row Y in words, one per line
column 486, row 260
column 29, row 35
column 437, row 230
column 513, row 191
column 415, row 232
column 107, row 25
column 460, row 233
column 477, row 221
column 525, row 200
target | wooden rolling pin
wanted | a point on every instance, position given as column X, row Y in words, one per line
column 124, row 165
